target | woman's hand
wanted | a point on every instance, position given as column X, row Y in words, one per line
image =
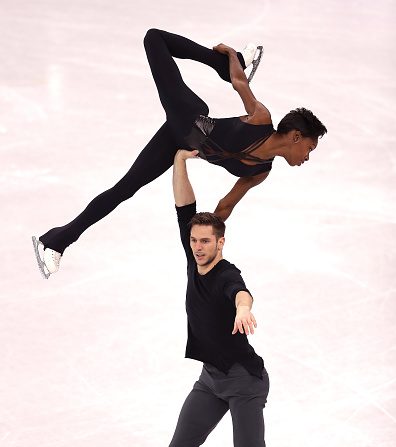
column 183, row 154
column 224, row 49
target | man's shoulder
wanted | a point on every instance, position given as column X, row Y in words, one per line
column 229, row 278
column 226, row 268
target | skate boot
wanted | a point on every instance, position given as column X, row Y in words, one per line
column 252, row 56
column 48, row 260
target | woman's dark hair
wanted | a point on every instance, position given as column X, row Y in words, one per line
column 303, row 120
column 209, row 219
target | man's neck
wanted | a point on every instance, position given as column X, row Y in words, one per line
column 204, row 269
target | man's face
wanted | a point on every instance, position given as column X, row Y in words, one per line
column 204, row 245
column 300, row 149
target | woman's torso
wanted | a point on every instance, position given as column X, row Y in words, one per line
column 231, row 143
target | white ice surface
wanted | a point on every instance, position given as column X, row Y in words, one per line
column 94, row 355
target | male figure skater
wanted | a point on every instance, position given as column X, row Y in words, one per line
column 218, row 306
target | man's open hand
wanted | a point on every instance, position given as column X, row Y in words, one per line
column 244, row 321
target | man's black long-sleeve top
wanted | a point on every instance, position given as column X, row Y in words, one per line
column 210, row 306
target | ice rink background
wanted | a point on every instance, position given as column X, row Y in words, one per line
column 94, row 355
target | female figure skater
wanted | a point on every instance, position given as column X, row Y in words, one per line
column 245, row 145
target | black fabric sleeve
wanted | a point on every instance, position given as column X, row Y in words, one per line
column 233, row 283
column 184, row 215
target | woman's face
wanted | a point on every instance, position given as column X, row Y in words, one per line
column 300, row 149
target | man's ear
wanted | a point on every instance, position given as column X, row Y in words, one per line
column 221, row 242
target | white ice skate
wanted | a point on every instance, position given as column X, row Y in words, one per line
column 249, row 56
column 48, row 260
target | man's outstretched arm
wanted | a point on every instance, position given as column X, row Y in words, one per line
column 244, row 319
column 182, row 189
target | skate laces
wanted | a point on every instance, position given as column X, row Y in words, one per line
column 56, row 257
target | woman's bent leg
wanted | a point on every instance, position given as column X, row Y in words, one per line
column 180, row 103
column 154, row 160
column 183, row 48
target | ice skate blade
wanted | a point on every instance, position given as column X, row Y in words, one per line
column 256, row 62
column 40, row 262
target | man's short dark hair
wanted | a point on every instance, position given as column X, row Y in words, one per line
column 303, row 120
column 209, row 219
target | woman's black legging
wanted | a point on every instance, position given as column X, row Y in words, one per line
column 181, row 106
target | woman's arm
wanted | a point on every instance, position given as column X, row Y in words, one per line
column 241, row 187
column 254, row 108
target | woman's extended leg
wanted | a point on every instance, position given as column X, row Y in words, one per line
column 154, row 160
column 180, row 103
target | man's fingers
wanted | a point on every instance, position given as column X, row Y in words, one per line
column 245, row 325
column 185, row 154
